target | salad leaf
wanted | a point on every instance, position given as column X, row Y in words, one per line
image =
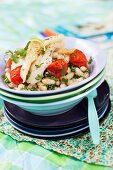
column 51, row 76
column 26, row 47
column 6, row 80
column 28, row 75
column 39, row 65
column 21, row 52
column 73, row 68
column 63, row 71
column 64, row 80
column 39, row 77
column 90, row 60
column 14, row 58
column 50, row 86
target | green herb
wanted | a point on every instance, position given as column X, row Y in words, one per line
column 63, row 80
column 43, row 52
column 90, row 60
column 28, row 75
column 9, row 52
column 39, row 77
column 26, row 47
column 63, row 71
column 73, row 68
column 14, row 58
column 51, row 76
column 21, row 52
column 34, row 88
column 50, row 87
column 87, row 71
column 77, row 76
column 6, row 80
column 39, row 65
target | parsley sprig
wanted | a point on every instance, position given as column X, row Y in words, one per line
column 39, row 65
column 90, row 60
column 39, row 77
column 6, row 80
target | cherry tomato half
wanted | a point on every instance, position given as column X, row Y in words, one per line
column 78, row 58
column 58, row 68
column 15, row 75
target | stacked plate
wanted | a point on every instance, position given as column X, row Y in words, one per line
column 62, row 112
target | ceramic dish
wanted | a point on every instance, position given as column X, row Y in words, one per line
column 52, row 108
column 52, row 98
column 54, row 134
column 69, row 118
column 89, row 49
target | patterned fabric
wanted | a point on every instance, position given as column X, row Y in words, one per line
column 20, row 20
column 78, row 147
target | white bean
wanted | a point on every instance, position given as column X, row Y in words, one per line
column 69, row 76
column 20, row 86
column 40, row 84
column 42, row 88
column 86, row 75
column 12, row 85
column 69, row 70
column 70, row 82
column 62, row 85
column 78, row 72
column 79, row 79
column 83, row 68
column 48, row 81
column 57, row 83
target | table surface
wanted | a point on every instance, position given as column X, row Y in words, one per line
column 20, row 20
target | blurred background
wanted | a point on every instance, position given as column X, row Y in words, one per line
column 23, row 19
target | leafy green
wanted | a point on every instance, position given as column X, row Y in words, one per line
column 51, row 76
column 14, row 58
column 63, row 71
column 77, row 76
column 50, row 86
column 21, row 52
column 64, row 80
column 39, row 65
column 34, row 88
column 28, row 75
column 39, row 77
column 9, row 52
column 6, row 80
column 73, row 68
column 26, row 47
column 90, row 60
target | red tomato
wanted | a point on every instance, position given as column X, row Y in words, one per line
column 9, row 63
column 15, row 75
column 58, row 68
column 78, row 58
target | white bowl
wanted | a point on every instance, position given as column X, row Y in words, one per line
column 89, row 48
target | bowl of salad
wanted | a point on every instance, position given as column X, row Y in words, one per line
column 51, row 66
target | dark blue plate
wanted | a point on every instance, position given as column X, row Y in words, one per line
column 76, row 116
column 52, row 133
